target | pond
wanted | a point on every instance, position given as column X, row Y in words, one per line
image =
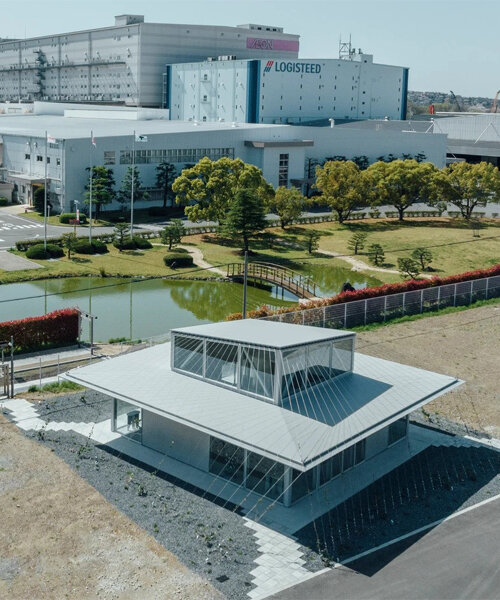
column 143, row 308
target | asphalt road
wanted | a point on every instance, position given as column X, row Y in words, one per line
column 457, row 560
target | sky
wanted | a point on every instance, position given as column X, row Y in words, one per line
column 447, row 44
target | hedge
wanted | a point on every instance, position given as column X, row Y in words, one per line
column 3, row 201
column 127, row 244
column 382, row 290
column 67, row 217
column 40, row 252
column 57, row 328
column 142, row 243
column 83, row 246
column 178, row 259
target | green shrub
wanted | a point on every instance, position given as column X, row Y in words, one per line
column 67, row 217
column 85, row 247
column 178, row 259
column 142, row 243
column 39, row 252
column 3, row 201
column 127, row 244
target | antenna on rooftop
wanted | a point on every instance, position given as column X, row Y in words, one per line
column 345, row 49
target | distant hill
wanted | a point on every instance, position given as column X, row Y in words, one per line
column 418, row 102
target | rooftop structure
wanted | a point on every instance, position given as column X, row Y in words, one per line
column 278, row 408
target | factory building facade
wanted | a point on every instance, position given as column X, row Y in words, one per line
column 270, row 90
column 286, row 154
column 124, row 63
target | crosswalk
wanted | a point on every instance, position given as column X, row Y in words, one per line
column 11, row 226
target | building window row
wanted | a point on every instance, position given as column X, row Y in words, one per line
column 176, row 155
column 283, row 170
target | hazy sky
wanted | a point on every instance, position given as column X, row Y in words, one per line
column 447, row 44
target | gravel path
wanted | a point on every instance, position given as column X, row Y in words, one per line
column 200, row 261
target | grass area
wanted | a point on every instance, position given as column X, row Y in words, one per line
column 54, row 220
column 137, row 263
column 435, row 313
column 56, row 387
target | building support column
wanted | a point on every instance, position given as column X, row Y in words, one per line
column 287, row 487
column 113, row 414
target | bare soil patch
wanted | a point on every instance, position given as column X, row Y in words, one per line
column 61, row 539
column 463, row 344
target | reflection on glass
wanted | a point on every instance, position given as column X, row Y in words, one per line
column 303, row 483
column 226, row 460
column 294, row 371
column 264, row 476
column 222, row 362
column 342, row 355
column 128, row 420
column 257, row 371
column 188, row 354
column 330, row 468
column 397, row 430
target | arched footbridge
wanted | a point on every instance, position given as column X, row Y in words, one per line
column 296, row 283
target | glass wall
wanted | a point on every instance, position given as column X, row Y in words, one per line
column 302, row 483
column 264, row 475
column 257, row 371
column 227, row 460
column 188, row 354
column 128, row 420
column 222, row 362
column 341, row 462
column 294, row 371
column 330, row 468
column 397, row 430
column 342, row 355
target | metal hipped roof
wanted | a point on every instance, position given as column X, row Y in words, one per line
column 312, row 427
column 270, row 334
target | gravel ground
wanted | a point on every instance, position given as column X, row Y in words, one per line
column 212, row 540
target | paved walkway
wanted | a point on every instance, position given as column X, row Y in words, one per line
column 200, row 261
column 13, row 262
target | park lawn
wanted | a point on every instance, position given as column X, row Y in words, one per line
column 137, row 263
column 453, row 246
column 54, row 220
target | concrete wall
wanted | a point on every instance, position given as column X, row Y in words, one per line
column 176, row 440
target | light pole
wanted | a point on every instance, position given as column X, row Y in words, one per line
column 45, row 196
column 77, row 220
column 90, row 186
column 132, row 189
column 245, row 279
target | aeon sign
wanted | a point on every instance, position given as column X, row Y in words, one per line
column 271, row 44
column 292, row 67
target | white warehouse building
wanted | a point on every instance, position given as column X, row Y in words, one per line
column 286, row 154
column 124, row 63
column 270, row 90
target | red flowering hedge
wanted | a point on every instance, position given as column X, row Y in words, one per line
column 373, row 292
column 57, row 328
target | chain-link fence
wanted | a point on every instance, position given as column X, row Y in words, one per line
column 384, row 308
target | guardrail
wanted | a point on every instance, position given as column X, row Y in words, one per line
column 384, row 308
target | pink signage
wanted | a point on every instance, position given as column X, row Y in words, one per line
column 270, row 44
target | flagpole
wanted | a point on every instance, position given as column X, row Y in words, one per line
column 132, row 189
column 45, row 198
column 90, row 187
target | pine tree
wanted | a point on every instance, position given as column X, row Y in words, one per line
column 246, row 216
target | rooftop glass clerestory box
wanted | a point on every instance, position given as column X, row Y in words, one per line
column 262, row 359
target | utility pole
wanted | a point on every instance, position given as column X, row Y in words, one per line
column 90, row 185
column 11, row 366
column 45, row 197
column 132, row 189
column 245, row 279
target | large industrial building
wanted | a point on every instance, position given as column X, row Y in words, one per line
column 124, row 63
column 285, row 153
column 269, row 90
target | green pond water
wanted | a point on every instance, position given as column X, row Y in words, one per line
column 144, row 308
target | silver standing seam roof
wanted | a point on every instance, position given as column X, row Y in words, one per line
column 311, row 427
column 270, row 334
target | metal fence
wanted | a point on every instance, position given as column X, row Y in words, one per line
column 384, row 308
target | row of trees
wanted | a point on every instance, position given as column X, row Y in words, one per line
column 345, row 187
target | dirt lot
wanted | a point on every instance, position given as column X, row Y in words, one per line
column 464, row 344
column 61, row 539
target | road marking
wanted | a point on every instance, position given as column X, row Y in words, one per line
column 396, row 540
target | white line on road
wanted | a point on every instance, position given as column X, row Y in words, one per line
column 396, row 540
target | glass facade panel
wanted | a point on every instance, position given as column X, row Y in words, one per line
column 222, row 362
column 188, row 354
column 257, row 371
column 128, row 420
column 318, row 363
column 330, row 468
column 359, row 451
column 174, row 155
column 342, row 355
column 264, row 476
column 302, row 483
column 397, row 430
column 294, row 371
column 348, row 458
column 227, row 460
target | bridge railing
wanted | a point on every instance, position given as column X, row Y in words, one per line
column 297, row 283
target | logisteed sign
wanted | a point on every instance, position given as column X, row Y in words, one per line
column 292, row 67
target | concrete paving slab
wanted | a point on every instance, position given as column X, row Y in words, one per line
column 13, row 262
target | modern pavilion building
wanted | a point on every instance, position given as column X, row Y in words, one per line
column 278, row 410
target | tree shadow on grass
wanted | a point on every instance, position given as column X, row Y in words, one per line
column 79, row 260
